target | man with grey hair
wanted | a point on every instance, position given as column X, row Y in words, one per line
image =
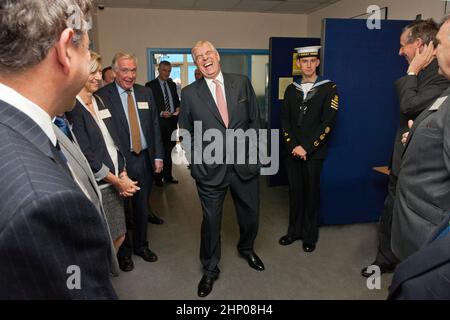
column 421, row 85
column 133, row 110
column 54, row 244
column 222, row 102
column 422, row 207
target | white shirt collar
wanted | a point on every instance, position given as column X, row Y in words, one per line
column 122, row 90
column 32, row 110
column 219, row 78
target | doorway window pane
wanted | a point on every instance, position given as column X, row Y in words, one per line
column 191, row 71
column 172, row 58
column 234, row 63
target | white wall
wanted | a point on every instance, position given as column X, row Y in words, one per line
column 136, row 30
column 397, row 9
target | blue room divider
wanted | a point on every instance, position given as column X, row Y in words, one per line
column 364, row 64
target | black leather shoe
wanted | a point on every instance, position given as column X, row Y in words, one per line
column 287, row 240
column 253, row 261
column 126, row 264
column 309, row 247
column 148, row 255
column 171, row 180
column 159, row 182
column 154, row 219
column 384, row 268
column 205, row 286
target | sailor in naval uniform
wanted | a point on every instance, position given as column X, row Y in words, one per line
column 308, row 113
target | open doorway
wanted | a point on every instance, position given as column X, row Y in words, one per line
column 249, row 62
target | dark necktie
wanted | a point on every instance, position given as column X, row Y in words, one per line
column 166, row 97
column 63, row 125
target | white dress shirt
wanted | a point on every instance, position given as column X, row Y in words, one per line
column 110, row 145
column 212, row 86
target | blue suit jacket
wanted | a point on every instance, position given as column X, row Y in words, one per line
column 47, row 224
column 426, row 273
column 147, row 117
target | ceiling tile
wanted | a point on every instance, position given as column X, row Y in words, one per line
column 257, row 5
column 216, row 4
column 173, row 4
column 275, row 6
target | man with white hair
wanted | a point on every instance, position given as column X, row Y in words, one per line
column 132, row 109
column 222, row 102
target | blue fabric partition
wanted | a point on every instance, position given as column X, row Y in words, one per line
column 364, row 64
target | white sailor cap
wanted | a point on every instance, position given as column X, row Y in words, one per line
column 305, row 52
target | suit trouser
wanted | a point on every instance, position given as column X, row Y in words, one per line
column 304, row 198
column 245, row 196
column 385, row 254
column 167, row 127
column 139, row 169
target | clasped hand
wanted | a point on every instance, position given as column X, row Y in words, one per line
column 299, row 152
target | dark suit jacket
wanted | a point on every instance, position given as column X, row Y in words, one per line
column 423, row 187
column 159, row 96
column 415, row 94
column 425, row 274
column 91, row 140
column 148, row 118
column 197, row 104
column 46, row 222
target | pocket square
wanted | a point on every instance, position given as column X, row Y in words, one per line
column 242, row 100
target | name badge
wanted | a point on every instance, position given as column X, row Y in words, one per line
column 143, row 105
column 438, row 103
column 104, row 114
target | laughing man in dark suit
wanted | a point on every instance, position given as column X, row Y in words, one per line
column 222, row 101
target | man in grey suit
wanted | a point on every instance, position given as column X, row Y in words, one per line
column 54, row 244
column 421, row 85
column 220, row 103
column 423, row 189
column 81, row 172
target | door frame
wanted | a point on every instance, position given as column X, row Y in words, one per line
column 248, row 52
